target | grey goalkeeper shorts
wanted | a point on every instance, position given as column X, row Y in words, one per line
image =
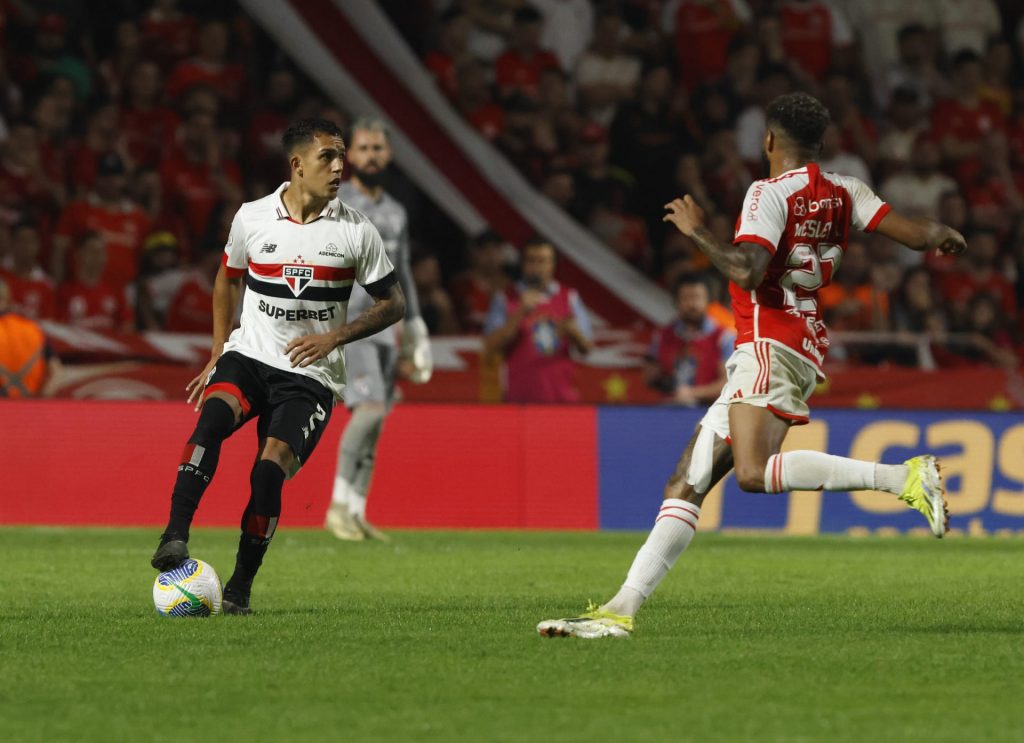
column 370, row 368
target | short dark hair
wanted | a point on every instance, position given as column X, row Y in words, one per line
column 965, row 57
column 527, row 14
column 302, row 131
column 911, row 29
column 539, row 241
column 802, row 117
column 687, row 279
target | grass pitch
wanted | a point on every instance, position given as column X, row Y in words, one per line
column 432, row 638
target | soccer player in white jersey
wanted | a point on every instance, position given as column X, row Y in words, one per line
column 789, row 241
column 299, row 251
column 372, row 363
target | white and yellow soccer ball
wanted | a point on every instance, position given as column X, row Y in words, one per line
column 190, row 590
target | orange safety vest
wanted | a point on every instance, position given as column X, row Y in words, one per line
column 22, row 356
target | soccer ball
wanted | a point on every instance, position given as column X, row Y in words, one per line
column 190, row 590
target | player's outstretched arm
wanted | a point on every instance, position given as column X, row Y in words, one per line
column 226, row 293
column 385, row 311
column 919, row 233
column 745, row 264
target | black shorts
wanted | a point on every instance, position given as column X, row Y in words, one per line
column 287, row 406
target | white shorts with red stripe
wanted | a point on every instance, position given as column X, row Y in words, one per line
column 768, row 376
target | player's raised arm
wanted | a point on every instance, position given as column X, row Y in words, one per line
column 744, row 263
column 920, row 233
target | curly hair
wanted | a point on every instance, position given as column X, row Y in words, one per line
column 802, row 117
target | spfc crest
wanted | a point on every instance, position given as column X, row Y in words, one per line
column 298, row 278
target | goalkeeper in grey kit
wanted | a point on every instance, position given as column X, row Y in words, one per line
column 373, row 363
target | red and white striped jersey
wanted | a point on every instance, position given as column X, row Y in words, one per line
column 803, row 218
column 298, row 279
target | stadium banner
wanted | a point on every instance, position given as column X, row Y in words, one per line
column 982, row 456
column 108, row 463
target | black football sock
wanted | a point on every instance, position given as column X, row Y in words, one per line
column 258, row 524
column 198, row 463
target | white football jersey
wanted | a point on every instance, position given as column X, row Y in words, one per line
column 298, row 279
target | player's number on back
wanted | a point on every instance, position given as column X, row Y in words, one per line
column 810, row 268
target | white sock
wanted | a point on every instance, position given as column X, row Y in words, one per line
column 814, row 470
column 673, row 530
column 339, row 496
column 356, row 503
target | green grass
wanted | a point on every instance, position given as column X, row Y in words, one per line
column 432, row 638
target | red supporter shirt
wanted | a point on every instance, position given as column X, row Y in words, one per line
column 703, row 33
column 96, row 307
column 123, row 228
column 489, row 120
column 689, row 357
column 959, row 287
column 226, row 79
column 442, row 67
column 18, row 190
column 807, row 36
column 516, row 73
column 169, row 39
column 34, row 297
column 147, row 132
column 952, row 118
column 190, row 309
column 803, row 218
column 189, row 188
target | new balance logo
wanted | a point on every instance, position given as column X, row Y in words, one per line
column 268, row 247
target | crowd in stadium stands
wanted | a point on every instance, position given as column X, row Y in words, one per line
column 130, row 132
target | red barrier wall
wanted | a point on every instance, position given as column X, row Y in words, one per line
column 113, row 463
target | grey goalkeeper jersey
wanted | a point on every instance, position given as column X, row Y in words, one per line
column 392, row 222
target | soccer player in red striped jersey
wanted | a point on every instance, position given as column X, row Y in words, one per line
column 299, row 251
column 790, row 239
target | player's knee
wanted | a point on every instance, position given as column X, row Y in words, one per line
column 216, row 421
column 750, row 477
column 280, row 453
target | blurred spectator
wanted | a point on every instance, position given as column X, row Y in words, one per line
column 812, row 33
column 475, row 102
column 536, row 325
column 168, row 33
column 835, row 159
column 451, row 51
column 25, row 186
column 196, row 177
column 978, row 272
column 994, row 192
column 905, row 123
column 878, row 23
column 560, row 187
column 597, row 181
column 555, row 107
column 87, row 301
column 852, row 301
column 160, row 277
column 960, row 122
column 28, row 367
column 474, row 289
column 917, row 191
column 146, row 126
column 435, row 304
column 30, row 291
column 967, row 24
column 990, row 339
column 857, row 133
column 50, row 57
column 702, row 30
column 686, row 359
column 915, row 302
column 210, row 67
column 114, row 71
column 605, row 75
column 916, row 69
column 108, row 211
column 998, row 84
column 773, row 81
column 726, row 173
column 102, row 139
column 266, row 164
column 189, row 310
column 517, row 70
column 56, row 143
column 621, row 231
column 492, row 26
column 568, row 28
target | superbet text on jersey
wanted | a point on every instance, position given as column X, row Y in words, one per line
column 803, row 218
column 298, row 279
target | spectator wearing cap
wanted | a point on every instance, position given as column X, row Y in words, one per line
column 486, row 275
column 86, row 301
column 108, row 211
column 160, row 277
column 517, row 70
column 31, row 291
column 210, row 67
column 606, row 75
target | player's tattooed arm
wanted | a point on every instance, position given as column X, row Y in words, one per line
column 919, row 233
column 386, row 310
column 744, row 264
